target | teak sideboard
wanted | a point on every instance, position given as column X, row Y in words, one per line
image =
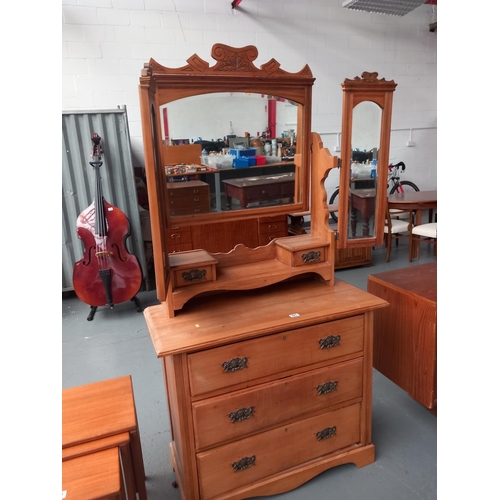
column 267, row 388
column 405, row 335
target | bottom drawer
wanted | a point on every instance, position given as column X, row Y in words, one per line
column 236, row 464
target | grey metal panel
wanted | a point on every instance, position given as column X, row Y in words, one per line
column 118, row 180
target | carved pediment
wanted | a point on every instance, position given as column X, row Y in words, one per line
column 368, row 79
column 228, row 60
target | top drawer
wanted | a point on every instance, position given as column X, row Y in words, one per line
column 272, row 355
column 189, row 188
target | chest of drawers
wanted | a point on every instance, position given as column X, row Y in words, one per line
column 186, row 198
column 267, row 388
column 272, row 227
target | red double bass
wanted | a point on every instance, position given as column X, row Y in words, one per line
column 107, row 274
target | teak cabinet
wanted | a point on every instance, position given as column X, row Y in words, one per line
column 405, row 334
column 268, row 388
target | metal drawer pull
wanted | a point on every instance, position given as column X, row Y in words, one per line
column 311, row 256
column 175, row 235
column 272, row 226
column 326, row 433
column 326, row 388
column 330, row 341
column 194, row 275
column 196, row 199
column 235, row 364
column 241, row 414
column 196, row 190
column 243, row 463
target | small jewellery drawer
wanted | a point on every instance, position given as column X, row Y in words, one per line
column 222, row 418
column 301, row 250
column 190, row 268
column 309, row 256
column 199, row 274
column 242, row 462
column 273, row 355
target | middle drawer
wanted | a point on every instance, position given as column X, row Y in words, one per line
column 275, row 354
column 244, row 412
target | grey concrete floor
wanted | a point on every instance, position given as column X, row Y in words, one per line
column 117, row 343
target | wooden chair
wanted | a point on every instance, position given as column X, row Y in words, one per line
column 426, row 233
column 96, row 475
column 396, row 229
column 101, row 416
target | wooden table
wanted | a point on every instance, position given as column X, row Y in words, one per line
column 260, row 188
column 95, row 476
column 364, row 201
column 416, row 201
column 84, row 422
column 405, row 333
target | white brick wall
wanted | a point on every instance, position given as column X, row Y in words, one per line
column 106, row 42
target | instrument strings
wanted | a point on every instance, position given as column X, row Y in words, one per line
column 100, row 228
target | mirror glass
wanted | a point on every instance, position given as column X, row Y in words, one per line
column 248, row 146
column 365, row 144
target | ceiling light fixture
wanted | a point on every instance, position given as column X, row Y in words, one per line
column 390, row 7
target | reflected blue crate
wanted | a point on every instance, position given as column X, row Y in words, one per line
column 243, row 152
column 241, row 162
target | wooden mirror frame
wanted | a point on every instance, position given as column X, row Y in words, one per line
column 368, row 87
column 234, row 71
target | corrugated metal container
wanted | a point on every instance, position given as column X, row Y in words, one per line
column 78, row 186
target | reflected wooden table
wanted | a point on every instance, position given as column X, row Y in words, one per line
column 362, row 200
column 414, row 201
column 259, row 188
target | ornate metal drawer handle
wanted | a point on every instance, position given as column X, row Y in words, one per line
column 326, row 433
column 241, row 414
column 326, row 388
column 194, row 275
column 311, row 256
column 330, row 341
column 235, row 364
column 196, row 190
column 175, row 235
column 243, row 463
column 196, row 199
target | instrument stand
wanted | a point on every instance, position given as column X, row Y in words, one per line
column 134, row 299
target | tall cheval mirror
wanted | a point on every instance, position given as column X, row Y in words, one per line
column 366, row 128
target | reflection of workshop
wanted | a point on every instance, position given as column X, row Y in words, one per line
column 258, row 189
